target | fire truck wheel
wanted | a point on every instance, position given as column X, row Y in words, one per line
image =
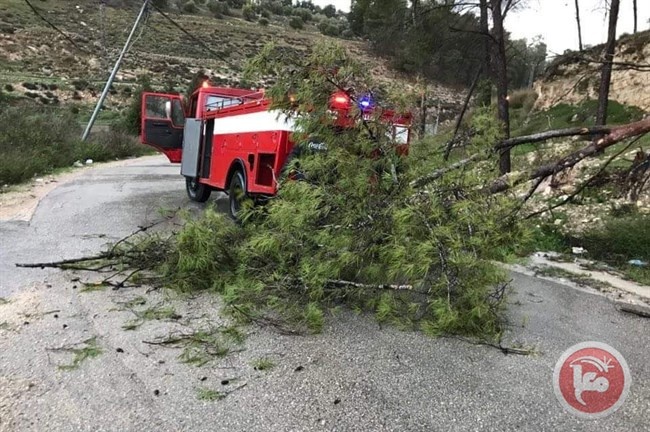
column 236, row 192
column 196, row 191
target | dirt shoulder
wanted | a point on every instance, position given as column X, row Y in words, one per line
column 19, row 203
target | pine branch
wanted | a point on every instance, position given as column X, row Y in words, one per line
column 584, row 184
column 422, row 181
column 65, row 263
column 450, row 144
column 557, row 133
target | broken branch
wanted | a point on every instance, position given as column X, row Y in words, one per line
column 344, row 283
column 584, row 184
column 442, row 171
column 547, row 135
column 616, row 135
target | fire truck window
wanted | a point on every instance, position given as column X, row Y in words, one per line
column 156, row 107
column 401, row 135
column 178, row 117
column 219, row 102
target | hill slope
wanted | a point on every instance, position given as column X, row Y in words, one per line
column 572, row 79
column 39, row 62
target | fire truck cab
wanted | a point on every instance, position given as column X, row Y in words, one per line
column 229, row 139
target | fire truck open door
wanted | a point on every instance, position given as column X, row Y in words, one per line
column 163, row 121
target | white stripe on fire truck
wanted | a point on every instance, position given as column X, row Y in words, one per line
column 263, row 121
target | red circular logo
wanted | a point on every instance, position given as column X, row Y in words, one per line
column 591, row 380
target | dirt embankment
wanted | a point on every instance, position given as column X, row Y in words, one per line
column 575, row 76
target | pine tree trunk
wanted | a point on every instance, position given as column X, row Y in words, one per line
column 635, row 16
column 579, row 27
column 501, row 80
column 606, row 74
column 415, row 10
column 485, row 98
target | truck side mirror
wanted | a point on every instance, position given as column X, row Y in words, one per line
column 168, row 109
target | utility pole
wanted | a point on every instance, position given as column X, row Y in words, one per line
column 116, row 68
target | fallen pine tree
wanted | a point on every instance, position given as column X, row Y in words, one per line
column 411, row 239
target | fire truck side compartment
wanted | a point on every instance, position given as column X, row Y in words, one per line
column 191, row 147
column 206, row 148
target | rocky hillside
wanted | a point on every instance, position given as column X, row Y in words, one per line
column 572, row 79
column 38, row 62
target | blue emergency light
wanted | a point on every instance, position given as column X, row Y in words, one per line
column 365, row 102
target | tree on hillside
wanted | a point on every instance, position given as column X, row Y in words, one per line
column 579, row 27
column 357, row 14
column 635, row 15
column 608, row 60
column 384, row 24
column 329, row 11
column 525, row 61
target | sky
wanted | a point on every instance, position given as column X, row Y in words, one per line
column 555, row 21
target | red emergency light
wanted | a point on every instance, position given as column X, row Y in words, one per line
column 340, row 100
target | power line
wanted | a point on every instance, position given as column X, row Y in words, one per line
column 102, row 27
column 194, row 38
column 55, row 27
column 145, row 22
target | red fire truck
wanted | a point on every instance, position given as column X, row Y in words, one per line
column 229, row 139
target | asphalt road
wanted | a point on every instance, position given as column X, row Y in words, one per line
column 355, row 376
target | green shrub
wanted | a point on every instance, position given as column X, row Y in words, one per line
column 524, row 98
column 303, row 13
column 584, row 114
column 111, row 144
column 619, row 240
column 274, row 7
column 249, row 13
column 160, row 4
column 218, row 8
column 35, row 141
column 347, row 34
column 131, row 117
column 329, row 29
column 265, row 13
column 237, row 4
column 190, row 7
column 263, row 21
column 296, row 23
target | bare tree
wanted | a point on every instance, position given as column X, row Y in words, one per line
column 608, row 60
column 579, row 28
column 500, row 71
column 635, row 15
